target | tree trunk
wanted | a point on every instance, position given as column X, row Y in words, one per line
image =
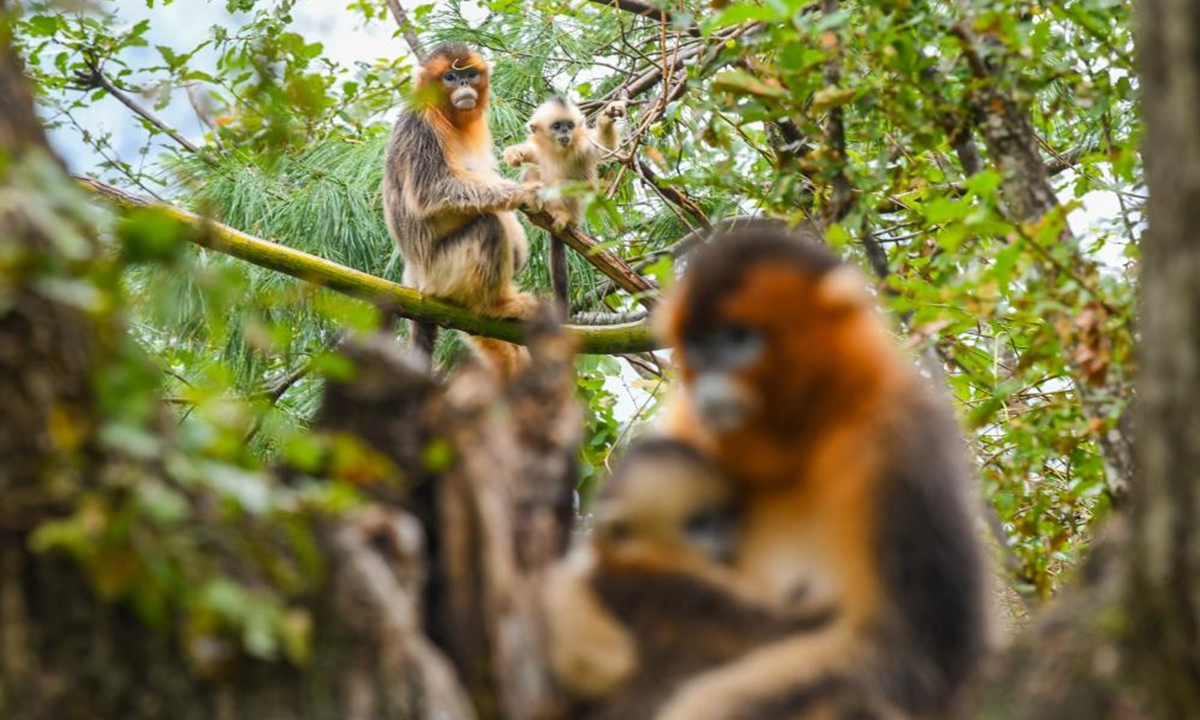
column 467, row 539
column 1166, row 573
column 1125, row 641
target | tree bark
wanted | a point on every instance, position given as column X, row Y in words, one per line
column 1166, row 574
column 488, row 518
column 1125, row 642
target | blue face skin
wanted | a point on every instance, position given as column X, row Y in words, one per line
column 562, row 131
column 717, row 356
column 460, row 85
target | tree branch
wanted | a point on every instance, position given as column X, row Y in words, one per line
column 605, row 261
column 405, row 302
column 406, row 29
column 646, row 10
column 96, row 78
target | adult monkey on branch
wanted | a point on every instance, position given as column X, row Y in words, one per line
column 448, row 209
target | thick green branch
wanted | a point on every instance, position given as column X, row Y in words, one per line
column 405, row 301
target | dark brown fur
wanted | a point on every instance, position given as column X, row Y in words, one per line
column 683, row 626
column 648, row 600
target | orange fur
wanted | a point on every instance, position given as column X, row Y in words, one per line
column 851, row 486
column 440, row 113
column 793, row 505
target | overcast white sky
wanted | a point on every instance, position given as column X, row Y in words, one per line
column 185, row 24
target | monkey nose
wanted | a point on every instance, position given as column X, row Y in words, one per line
column 722, row 404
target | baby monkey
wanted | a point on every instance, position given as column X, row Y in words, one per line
column 650, row 599
column 561, row 149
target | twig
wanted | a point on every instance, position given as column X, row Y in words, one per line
column 650, row 12
column 95, row 78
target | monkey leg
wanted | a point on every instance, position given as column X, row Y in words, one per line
column 797, row 677
column 505, row 358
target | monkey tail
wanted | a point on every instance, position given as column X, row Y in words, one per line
column 505, row 357
column 424, row 337
column 560, row 278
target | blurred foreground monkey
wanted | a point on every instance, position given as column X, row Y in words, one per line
column 851, row 476
column 448, row 209
column 649, row 600
column 563, row 149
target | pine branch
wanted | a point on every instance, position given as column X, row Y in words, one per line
column 403, row 301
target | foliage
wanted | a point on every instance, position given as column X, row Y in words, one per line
column 1030, row 324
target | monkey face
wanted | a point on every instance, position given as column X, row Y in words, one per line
column 454, row 75
column 563, row 131
column 771, row 334
column 557, row 125
column 717, row 357
column 667, row 498
column 460, row 86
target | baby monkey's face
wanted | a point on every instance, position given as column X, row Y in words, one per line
column 558, row 126
column 562, row 131
column 667, row 498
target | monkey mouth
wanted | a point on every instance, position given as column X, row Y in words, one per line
column 464, row 99
column 723, row 405
column 564, row 140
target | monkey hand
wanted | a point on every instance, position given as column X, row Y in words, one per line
column 515, row 155
column 614, row 110
column 559, row 218
column 526, row 197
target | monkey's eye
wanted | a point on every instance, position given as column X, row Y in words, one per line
column 449, row 77
column 713, row 530
column 472, row 74
column 727, row 346
column 563, row 126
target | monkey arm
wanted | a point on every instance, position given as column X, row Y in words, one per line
column 465, row 195
column 518, row 155
column 591, row 653
column 606, row 134
column 804, row 670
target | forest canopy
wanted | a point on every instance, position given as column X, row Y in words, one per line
column 978, row 160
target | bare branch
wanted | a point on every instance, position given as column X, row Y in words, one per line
column 406, row 29
column 650, row 12
column 96, row 78
column 606, row 261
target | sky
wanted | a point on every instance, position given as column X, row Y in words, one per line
column 185, row 24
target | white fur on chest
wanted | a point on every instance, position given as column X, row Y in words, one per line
column 479, row 161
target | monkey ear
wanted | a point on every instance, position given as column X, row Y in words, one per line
column 664, row 319
column 531, row 126
column 843, row 287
